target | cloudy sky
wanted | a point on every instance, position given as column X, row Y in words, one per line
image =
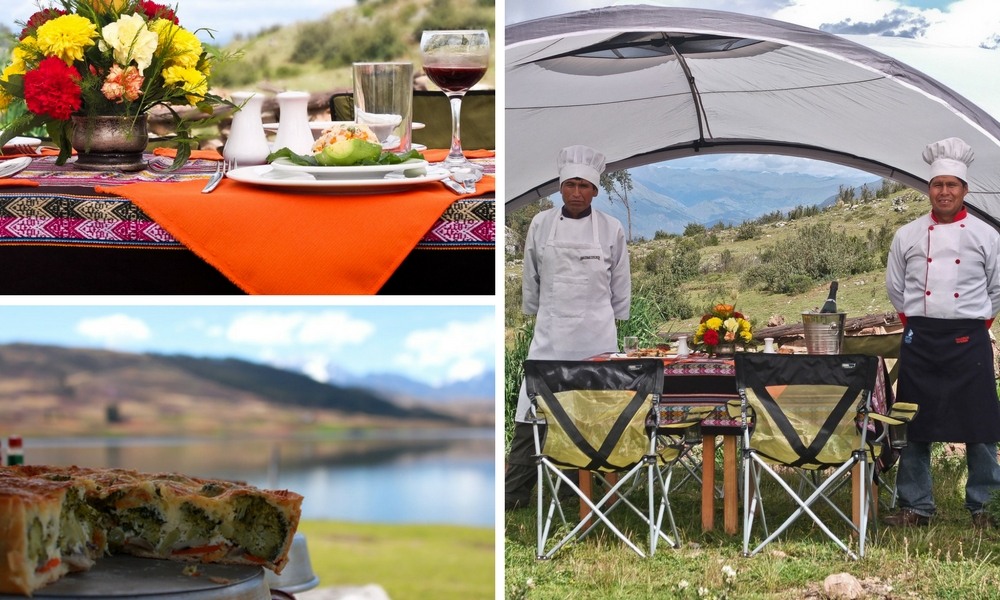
column 956, row 42
column 226, row 17
column 432, row 344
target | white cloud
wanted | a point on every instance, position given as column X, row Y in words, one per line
column 114, row 331
column 464, row 349
column 330, row 329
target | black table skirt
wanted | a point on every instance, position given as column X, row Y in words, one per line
column 44, row 270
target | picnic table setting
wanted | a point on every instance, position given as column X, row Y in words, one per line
column 102, row 206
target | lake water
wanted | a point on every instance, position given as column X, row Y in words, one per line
column 439, row 476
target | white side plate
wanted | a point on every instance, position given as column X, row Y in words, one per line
column 267, row 176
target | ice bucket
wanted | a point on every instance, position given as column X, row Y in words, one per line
column 824, row 332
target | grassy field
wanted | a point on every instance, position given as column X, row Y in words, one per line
column 949, row 559
column 415, row 562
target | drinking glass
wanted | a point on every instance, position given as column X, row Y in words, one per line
column 455, row 61
column 631, row 344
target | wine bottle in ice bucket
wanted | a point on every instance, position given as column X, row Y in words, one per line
column 830, row 306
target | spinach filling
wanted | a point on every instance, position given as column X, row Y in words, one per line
column 144, row 521
column 201, row 526
column 260, row 528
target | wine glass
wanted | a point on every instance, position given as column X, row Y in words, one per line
column 455, row 61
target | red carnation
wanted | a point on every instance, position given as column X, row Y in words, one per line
column 38, row 19
column 152, row 10
column 738, row 315
column 52, row 89
column 711, row 337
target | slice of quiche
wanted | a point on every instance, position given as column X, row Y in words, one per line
column 63, row 518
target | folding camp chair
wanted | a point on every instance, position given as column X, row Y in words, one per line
column 811, row 414
column 600, row 417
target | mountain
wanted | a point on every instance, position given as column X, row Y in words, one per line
column 669, row 198
column 476, row 390
column 69, row 391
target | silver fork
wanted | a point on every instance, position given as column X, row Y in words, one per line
column 220, row 173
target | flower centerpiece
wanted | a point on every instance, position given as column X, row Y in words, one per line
column 106, row 58
column 721, row 329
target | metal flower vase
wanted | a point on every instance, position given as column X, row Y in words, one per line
column 724, row 349
column 109, row 143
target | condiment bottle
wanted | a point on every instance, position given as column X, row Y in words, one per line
column 247, row 142
column 293, row 123
column 769, row 345
column 682, row 346
column 15, row 451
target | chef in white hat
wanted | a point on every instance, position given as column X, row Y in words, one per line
column 943, row 279
column 577, row 281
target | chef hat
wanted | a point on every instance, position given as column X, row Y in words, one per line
column 580, row 161
column 951, row 156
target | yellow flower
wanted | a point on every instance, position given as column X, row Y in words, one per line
column 131, row 41
column 746, row 335
column 182, row 48
column 66, row 37
column 18, row 56
column 713, row 323
column 192, row 81
column 732, row 324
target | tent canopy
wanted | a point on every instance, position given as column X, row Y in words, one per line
column 647, row 84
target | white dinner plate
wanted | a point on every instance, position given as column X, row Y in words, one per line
column 321, row 125
column 340, row 173
column 266, row 175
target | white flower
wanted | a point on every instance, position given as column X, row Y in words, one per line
column 131, row 40
column 529, row 583
column 683, row 584
column 729, row 573
column 702, row 591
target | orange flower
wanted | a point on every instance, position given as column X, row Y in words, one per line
column 108, row 6
column 723, row 309
column 123, row 83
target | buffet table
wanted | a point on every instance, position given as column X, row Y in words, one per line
column 67, row 231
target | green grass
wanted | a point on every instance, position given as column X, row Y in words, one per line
column 408, row 561
column 949, row 559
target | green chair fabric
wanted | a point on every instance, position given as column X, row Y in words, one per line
column 807, row 417
column 599, row 416
column 478, row 126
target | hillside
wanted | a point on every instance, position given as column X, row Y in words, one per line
column 669, row 198
column 316, row 55
column 48, row 390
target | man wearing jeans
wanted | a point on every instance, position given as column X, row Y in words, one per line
column 944, row 280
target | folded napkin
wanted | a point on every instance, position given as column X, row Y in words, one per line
column 198, row 154
column 12, row 182
column 276, row 242
column 438, row 154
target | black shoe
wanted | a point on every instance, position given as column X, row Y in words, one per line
column 981, row 520
column 907, row 517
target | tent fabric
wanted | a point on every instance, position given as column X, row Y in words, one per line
column 647, row 84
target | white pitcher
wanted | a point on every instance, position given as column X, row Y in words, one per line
column 247, row 143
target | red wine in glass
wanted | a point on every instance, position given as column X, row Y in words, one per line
column 454, row 78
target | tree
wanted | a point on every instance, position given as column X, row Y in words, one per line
column 617, row 185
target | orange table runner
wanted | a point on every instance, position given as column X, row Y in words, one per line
column 275, row 242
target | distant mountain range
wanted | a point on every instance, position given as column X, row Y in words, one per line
column 76, row 390
column 669, row 198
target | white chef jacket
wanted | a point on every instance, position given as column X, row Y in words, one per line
column 945, row 270
column 578, row 296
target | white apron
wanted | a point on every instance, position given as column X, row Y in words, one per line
column 575, row 318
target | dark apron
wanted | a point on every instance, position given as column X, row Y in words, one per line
column 946, row 366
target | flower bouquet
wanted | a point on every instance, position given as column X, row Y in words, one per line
column 100, row 58
column 722, row 327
